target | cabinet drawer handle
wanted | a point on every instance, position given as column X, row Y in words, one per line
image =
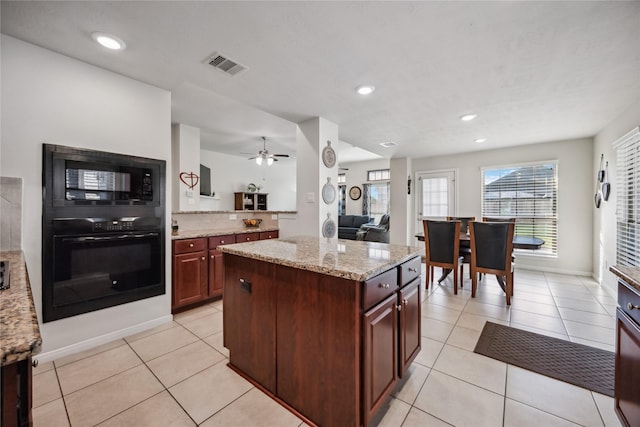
column 631, row 306
column 405, row 302
column 384, row 285
column 203, row 258
column 34, row 363
column 412, row 270
column 190, row 245
column 212, row 257
column 399, row 307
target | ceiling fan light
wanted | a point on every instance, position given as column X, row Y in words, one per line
column 269, row 161
column 259, row 160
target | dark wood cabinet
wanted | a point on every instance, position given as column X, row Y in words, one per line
column 16, row 391
column 410, row 325
column 190, row 278
column 198, row 267
column 380, row 354
column 250, row 318
column 627, row 370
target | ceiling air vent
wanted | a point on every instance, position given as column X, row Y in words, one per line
column 224, row 64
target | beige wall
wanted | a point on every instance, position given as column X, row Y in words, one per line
column 574, row 195
column 69, row 102
column 604, row 219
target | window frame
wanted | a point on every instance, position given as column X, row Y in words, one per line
column 528, row 222
column 627, row 153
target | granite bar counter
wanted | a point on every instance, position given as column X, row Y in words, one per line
column 19, row 340
column 192, row 234
column 631, row 275
column 19, row 330
column 349, row 259
column 326, row 327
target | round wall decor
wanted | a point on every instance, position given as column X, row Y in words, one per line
column 328, row 227
column 355, row 192
column 328, row 156
column 328, row 192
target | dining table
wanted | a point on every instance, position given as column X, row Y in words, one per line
column 519, row 242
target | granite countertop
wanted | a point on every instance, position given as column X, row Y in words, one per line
column 20, row 334
column 348, row 259
column 631, row 275
column 234, row 211
column 192, row 234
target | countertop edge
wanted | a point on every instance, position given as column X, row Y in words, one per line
column 18, row 307
column 631, row 275
column 192, row 234
column 330, row 271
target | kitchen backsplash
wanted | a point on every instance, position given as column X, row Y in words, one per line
column 220, row 220
column 10, row 213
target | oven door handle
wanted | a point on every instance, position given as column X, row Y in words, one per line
column 109, row 238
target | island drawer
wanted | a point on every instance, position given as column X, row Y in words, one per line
column 409, row 271
column 216, row 241
column 629, row 301
column 189, row 245
column 264, row 235
column 379, row 287
column 247, row 237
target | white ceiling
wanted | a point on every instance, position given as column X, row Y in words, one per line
column 532, row 71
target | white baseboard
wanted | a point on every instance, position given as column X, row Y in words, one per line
column 520, row 266
column 102, row 339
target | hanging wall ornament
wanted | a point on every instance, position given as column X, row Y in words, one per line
column 328, row 227
column 606, row 186
column 328, row 156
column 328, row 192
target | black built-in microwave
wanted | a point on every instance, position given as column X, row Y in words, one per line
column 80, row 177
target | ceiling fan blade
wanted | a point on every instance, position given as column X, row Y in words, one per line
column 254, row 157
column 280, row 155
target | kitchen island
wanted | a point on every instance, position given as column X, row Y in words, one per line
column 324, row 326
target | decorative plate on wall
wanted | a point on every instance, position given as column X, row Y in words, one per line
column 328, row 192
column 328, row 156
column 328, row 227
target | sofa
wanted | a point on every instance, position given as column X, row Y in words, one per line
column 377, row 232
column 348, row 225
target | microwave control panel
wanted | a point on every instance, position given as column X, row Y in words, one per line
column 113, row 226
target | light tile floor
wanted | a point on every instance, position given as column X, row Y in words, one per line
column 176, row 374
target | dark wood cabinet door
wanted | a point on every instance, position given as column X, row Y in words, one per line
column 380, row 329
column 216, row 276
column 410, row 324
column 249, row 306
column 190, row 278
column 627, row 376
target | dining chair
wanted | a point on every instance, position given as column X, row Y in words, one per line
column 491, row 253
column 442, row 244
column 465, row 250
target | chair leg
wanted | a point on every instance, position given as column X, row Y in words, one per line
column 509, row 290
column 432, row 274
column 426, row 281
column 461, row 275
column 455, row 281
column 474, row 283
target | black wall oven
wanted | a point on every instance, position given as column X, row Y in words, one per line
column 103, row 230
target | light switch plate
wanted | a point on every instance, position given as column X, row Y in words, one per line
column 311, row 197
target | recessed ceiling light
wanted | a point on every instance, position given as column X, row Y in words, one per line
column 365, row 89
column 481, row 140
column 388, row 144
column 109, row 41
column 468, row 117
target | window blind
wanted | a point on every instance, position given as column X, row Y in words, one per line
column 528, row 193
column 628, row 199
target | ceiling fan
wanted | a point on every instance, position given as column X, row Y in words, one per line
column 264, row 155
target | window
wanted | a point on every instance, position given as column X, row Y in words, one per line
column 628, row 199
column 528, row 193
column 378, row 175
column 342, row 199
column 342, row 178
column 375, row 199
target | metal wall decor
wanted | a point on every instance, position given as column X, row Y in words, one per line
column 603, row 187
column 328, row 155
column 328, row 192
column 328, row 227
